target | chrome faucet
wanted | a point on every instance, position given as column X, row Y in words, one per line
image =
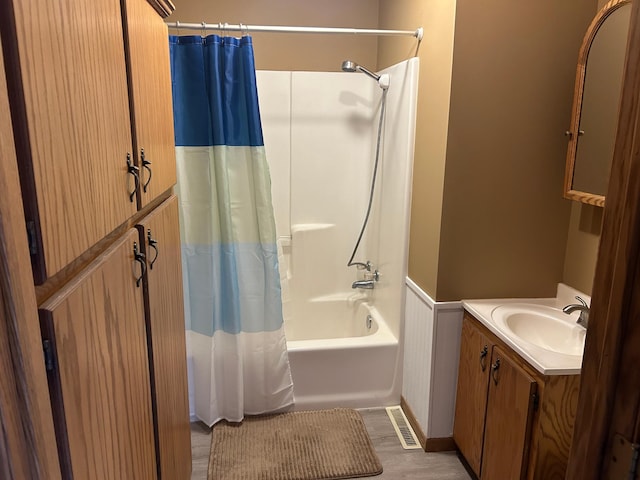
column 368, row 284
column 369, row 280
column 583, row 320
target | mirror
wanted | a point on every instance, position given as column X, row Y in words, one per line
column 596, row 99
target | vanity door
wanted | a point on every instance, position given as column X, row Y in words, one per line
column 471, row 399
column 510, row 407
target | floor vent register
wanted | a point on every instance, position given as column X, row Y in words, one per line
column 404, row 431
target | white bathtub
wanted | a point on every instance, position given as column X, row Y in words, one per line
column 337, row 359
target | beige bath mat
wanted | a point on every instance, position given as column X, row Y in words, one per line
column 313, row 445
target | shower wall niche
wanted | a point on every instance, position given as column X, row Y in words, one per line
column 320, row 136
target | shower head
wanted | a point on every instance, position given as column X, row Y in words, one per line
column 351, row 66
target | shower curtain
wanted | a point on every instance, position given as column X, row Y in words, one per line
column 235, row 336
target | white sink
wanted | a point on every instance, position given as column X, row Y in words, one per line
column 543, row 326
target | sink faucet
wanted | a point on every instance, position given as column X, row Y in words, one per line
column 583, row 320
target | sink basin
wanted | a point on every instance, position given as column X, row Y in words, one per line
column 542, row 326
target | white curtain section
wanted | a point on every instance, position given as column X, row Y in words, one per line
column 232, row 357
column 236, row 344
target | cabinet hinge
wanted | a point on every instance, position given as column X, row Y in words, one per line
column 623, row 460
column 31, row 236
column 48, row 355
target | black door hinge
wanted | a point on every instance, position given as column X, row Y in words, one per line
column 31, row 236
column 48, row 355
column 623, row 460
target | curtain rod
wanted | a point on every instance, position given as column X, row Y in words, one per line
column 245, row 29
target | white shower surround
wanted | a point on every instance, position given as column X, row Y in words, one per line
column 320, row 136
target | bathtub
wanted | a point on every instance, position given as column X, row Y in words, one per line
column 342, row 354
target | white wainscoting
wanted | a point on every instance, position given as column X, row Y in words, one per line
column 431, row 356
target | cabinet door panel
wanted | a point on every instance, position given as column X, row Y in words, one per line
column 508, row 421
column 471, row 397
column 100, row 386
column 71, row 112
column 166, row 327
column 151, row 101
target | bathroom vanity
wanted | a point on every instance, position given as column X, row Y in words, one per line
column 518, row 383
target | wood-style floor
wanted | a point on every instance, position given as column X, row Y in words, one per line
column 397, row 462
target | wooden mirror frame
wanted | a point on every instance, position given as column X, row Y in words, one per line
column 569, row 192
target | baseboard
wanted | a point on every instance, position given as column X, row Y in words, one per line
column 428, row 444
column 440, row 445
column 422, row 438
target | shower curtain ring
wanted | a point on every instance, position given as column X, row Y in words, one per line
column 204, row 29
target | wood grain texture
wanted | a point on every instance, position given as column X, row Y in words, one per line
column 552, row 422
column 164, row 8
column 612, row 334
column 101, row 359
column 508, row 421
column 554, row 427
column 54, row 283
column 471, row 395
column 166, row 330
column 76, row 131
column 150, row 97
column 27, row 434
column 569, row 192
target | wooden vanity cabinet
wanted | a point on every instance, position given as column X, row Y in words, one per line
column 510, row 406
column 471, row 396
column 511, row 422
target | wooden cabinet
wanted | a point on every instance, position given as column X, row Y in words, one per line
column 471, row 396
column 165, row 326
column 70, row 109
column 511, row 422
column 90, row 89
column 150, row 99
column 512, row 393
column 93, row 131
column 98, row 370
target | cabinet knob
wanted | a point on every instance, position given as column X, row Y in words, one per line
column 152, row 244
column 483, row 357
column 139, row 257
column 135, row 171
column 494, row 371
column 145, row 164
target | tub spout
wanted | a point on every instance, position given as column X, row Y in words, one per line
column 368, row 284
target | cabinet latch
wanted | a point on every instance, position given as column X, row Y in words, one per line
column 48, row 355
column 31, row 237
column 623, row 459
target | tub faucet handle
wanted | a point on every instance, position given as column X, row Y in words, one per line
column 375, row 275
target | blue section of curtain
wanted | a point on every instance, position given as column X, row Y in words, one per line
column 224, row 68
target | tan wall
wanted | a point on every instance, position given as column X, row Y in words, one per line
column 436, row 56
column 504, row 220
column 582, row 246
column 275, row 51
